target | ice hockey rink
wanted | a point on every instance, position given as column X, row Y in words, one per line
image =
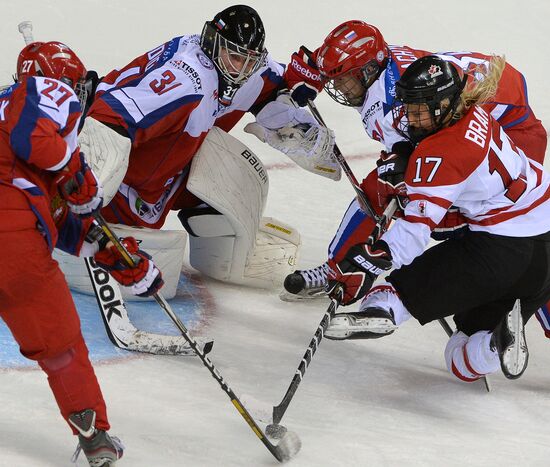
column 387, row 402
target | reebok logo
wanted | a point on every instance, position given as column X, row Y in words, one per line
column 305, row 71
column 367, row 265
column 106, row 293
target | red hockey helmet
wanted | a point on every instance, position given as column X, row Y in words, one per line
column 53, row 60
column 350, row 59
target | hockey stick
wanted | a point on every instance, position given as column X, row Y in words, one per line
column 119, row 328
column 361, row 197
column 445, row 325
column 289, row 446
column 275, row 429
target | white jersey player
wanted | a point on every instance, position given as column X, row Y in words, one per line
column 168, row 113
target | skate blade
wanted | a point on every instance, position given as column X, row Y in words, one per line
column 347, row 327
column 292, row 297
column 515, row 356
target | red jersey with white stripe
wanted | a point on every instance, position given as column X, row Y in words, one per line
column 38, row 134
column 474, row 166
column 510, row 105
column 167, row 100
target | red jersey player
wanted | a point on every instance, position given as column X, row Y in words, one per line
column 48, row 196
column 462, row 158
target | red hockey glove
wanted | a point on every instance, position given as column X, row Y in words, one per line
column 356, row 273
column 144, row 279
column 79, row 186
column 302, row 77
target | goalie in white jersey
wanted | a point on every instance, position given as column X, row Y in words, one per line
column 156, row 135
column 464, row 159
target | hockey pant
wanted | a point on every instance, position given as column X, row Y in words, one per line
column 476, row 279
column 37, row 306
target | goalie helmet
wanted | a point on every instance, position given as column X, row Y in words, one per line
column 53, row 60
column 427, row 95
column 352, row 56
column 234, row 41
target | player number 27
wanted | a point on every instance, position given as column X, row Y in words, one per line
column 434, row 163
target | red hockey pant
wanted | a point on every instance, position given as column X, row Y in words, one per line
column 37, row 306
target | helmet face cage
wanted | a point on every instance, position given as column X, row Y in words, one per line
column 235, row 63
column 344, row 88
column 416, row 121
column 422, row 107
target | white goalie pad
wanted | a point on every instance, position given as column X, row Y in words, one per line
column 107, row 152
column 238, row 245
column 167, row 247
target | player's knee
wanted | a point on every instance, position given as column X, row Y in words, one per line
column 58, row 362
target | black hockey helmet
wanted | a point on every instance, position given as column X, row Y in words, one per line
column 234, row 41
column 431, row 81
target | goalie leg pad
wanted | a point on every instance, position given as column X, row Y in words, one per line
column 222, row 255
column 107, row 152
column 230, row 240
column 167, row 248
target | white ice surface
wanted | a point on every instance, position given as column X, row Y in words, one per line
column 378, row 403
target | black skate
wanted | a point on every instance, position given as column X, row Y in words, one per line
column 371, row 323
column 305, row 284
column 508, row 340
column 100, row 449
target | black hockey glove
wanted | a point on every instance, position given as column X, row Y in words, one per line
column 391, row 168
column 356, row 273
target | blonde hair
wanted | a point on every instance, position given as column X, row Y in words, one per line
column 484, row 86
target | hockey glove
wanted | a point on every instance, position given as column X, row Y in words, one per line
column 79, row 186
column 356, row 273
column 144, row 279
column 391, row 168
column 303, row 77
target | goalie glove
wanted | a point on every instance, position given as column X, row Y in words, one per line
column 310, row 147
column 143, row 279
column 356, row 273
column 292, row 130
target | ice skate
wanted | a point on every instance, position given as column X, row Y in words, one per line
column 101, row 449
column 370, row 323
column 509, row 341
column 305, row 284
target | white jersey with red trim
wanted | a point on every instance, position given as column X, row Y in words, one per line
column 167, row 101
column 510, row 105
column 474, row 166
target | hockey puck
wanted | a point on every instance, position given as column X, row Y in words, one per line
column 289, row 446
column 275, row 431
